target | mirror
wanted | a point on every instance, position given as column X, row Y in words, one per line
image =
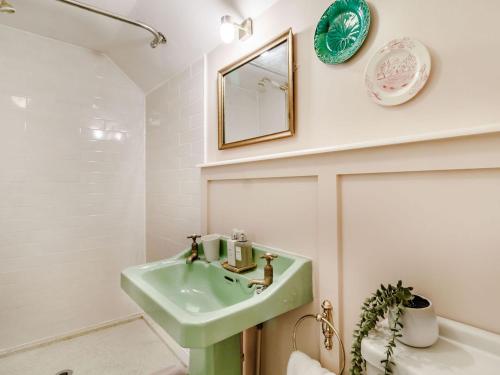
column 256, row 96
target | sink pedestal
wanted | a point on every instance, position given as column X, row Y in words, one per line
column 222, row 358
column 205, row 307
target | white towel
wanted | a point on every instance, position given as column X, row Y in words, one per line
column 300, row 364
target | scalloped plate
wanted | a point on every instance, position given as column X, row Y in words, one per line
column 341, row 30
column 398, row 71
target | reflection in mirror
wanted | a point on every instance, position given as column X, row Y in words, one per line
column 256, row 96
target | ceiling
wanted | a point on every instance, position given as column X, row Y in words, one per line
column 191, row 28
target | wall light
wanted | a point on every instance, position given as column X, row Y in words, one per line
column 228, row 29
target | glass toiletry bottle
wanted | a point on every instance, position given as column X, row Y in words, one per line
column 231, row 250
column 244, row 251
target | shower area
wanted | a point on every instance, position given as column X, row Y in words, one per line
column 72, row 206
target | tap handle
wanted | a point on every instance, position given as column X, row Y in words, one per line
column 194, row 237
column 269, row 257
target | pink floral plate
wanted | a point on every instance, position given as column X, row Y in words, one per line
column 398, row 71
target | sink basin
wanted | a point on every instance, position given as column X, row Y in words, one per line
column 195, row 288
column 202, row 305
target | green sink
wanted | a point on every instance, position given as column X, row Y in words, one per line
column 205, row 307
column 198, row 288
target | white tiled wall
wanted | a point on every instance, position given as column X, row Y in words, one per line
column 71, row 187
column 174, row 138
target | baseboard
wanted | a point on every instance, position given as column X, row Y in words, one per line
column 69, row 335
column 181, row 353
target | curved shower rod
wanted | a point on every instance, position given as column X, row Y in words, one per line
column 159, row 38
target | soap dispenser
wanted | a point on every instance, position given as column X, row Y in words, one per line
column 231, row 248
column 243, row 251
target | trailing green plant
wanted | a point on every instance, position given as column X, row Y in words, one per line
column 387, row 299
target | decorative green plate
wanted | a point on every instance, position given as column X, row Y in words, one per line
column 341, row 30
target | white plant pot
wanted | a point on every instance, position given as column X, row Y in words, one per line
column 420, row 326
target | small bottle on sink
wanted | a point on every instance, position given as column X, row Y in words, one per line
column 243, row 251
column 231, row 248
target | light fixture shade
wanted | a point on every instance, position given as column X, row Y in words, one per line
column 227, row 31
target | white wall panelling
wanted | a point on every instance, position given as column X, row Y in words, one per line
column 401, row 201
column 71, row 187
column 258, row 206
column 435, row 229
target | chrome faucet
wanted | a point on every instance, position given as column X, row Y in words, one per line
column 194, row 249
column 268, row 272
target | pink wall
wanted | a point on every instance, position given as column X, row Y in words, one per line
column 332, row 107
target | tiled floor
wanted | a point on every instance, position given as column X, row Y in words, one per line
column 126, row 349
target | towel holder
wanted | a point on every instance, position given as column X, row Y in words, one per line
column 326, row 319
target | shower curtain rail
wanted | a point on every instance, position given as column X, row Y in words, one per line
column 159, row 38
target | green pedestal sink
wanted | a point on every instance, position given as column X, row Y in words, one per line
column 205, row 307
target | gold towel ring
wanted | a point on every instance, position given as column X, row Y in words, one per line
column 327, row 330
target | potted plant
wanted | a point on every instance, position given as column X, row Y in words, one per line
column 411, row 320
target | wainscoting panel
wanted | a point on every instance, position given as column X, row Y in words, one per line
column 263, row 207
column 438, row 231
column 278, row 212
column 426, row 212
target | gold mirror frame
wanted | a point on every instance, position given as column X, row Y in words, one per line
column 285, row 37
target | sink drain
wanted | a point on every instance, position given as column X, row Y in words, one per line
column 65, row 372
